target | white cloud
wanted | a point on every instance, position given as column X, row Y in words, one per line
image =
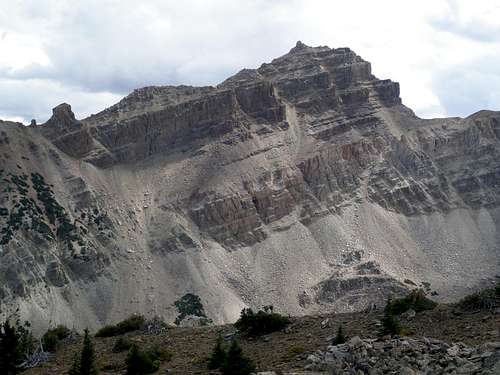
column 90, row 53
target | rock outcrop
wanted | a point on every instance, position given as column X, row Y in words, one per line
column 408, row 356
column 305, row 184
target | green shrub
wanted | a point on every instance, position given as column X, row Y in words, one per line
column 122, row 344
column 294, row 351
column 416, row 300
column 236, row 363
column 52, row 337
column 146, row 361
column 260, row 323
column 160, row 354
column 107, row 331
column 485, row 299
column 133, row 323
column 140, row 362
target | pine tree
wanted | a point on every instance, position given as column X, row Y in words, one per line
column 218, row 356
column 236, row 363
column 87, row 358
column 9, row 349
column 390, row 325
column 75, row 367
column 340, row 338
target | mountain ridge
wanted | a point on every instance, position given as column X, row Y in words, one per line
column 304, row 183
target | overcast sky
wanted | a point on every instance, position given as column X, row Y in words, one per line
column 445, row 54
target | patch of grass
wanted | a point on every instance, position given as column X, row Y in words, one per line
column 294, row 351
column 260, row 323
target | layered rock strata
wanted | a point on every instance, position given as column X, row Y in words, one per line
column 305, row 184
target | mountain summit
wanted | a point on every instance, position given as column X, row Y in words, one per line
column 304, row 184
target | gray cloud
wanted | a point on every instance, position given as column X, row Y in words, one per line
column 470, row 87
column 121, row 48
column 89, row 53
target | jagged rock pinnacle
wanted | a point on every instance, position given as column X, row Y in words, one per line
column 63, row 112
column 299, row 46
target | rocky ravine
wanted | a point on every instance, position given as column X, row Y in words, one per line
column 305, row 184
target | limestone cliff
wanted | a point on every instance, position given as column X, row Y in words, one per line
column 305, row 184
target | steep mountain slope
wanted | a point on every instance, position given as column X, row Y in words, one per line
column 305, row 184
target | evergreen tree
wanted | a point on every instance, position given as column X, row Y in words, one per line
column 87, row 358
column 75, row 367
column 236, row 363
column 390, row 325
column 340, row 338
column 218, row 356
column 9, row 349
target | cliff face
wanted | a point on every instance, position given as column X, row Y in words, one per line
column 305, row 184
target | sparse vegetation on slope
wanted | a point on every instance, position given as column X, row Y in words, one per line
column 284, row 350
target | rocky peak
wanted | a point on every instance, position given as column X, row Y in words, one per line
column 66, row 132
column 299, row 46
column 62, row 114
column 61, row 122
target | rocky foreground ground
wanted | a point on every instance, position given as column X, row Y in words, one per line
column 406, row 356
column 442, row 341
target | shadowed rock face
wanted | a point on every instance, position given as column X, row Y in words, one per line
column 305, row 184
